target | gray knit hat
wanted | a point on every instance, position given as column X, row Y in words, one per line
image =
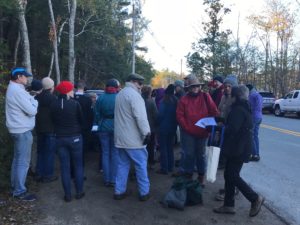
column 232, row 80
column 47, row 83
column 179, row 83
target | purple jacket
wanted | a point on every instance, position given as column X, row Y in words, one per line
column 256, row 103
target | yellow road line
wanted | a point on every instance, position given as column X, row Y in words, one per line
column 297, row 134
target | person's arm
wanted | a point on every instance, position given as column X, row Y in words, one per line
column 211, row 106
column 181, row 118
column 27, row 103
column 140, row 115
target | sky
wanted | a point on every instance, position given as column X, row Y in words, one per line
column 176, row 24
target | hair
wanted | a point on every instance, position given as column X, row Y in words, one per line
column 81, row 84
column 240, row 92
column 146, row 91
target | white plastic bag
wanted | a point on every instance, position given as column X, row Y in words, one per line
column 212, row 154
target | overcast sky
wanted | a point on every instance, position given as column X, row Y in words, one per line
column 175, row 24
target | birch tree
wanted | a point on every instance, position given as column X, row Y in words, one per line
column 72, row 10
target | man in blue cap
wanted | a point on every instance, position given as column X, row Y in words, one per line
column 20, row 110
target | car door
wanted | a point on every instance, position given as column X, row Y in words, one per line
column 287, row 102
column 294, row 104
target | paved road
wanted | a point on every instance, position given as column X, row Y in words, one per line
column 276, row 176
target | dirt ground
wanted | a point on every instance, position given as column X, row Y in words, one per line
column 99, row 207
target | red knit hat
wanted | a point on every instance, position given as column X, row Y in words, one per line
column 64, row 87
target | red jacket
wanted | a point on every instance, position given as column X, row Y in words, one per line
column 190, row 109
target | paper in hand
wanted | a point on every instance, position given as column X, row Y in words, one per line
column 207, row 121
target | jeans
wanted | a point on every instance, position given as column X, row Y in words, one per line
column 46, row 146
column 166, row 142
column 256, row 124
column 21, row 161
column 232, row 180
column 110, row 157
column 139, row 158
column 194, row 148
column 70, row 149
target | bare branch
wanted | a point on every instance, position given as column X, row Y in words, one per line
column 86, row 23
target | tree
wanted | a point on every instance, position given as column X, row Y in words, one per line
column 211, row 52
column 72, row 10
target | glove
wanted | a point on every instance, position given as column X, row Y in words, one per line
column 147, row 139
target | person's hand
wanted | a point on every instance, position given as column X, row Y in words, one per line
column 147, row 139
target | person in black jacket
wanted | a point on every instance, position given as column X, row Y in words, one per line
column 237, row 149
column 45, row 133
column 67, row 118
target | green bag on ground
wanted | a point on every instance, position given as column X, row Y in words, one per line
column 194, row 193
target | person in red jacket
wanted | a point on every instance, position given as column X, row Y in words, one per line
column 192, row 107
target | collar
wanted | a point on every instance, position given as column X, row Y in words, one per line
column 131, row 85
column 11, row 82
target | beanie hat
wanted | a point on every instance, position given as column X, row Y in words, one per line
column 179, row 83
column 232, row 80
column 218, row 78
column 36, row 85
column 113, row 83
column 64, row 87
column 48, row 83
column 170, row 89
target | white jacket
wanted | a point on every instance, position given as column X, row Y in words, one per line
column 20, row 109
column 131, row 124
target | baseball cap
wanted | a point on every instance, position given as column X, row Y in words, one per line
column 20, row 71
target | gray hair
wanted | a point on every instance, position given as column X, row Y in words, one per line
column 240, row 92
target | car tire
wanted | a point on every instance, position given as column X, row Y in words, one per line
column 277, row 111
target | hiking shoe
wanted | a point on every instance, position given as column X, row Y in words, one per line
column 256, row 206
column 122, row 196
column 224, row 210
column 144, row 198
column 26, row 197
column 79, row 195
column 68, row 198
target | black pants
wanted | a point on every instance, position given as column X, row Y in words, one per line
column 232, row 180
column 150, row 149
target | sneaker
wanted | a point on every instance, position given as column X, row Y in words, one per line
column 256, row 206
column 80, row 195
column 224, row 210
column 122, row 196
column 144, row 198
column 68, row 198
column 26, row 197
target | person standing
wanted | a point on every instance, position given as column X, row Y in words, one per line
column 192, row 107
column 45, row 133
column 179, row 89
column 152, row 114
column 132, row 134
column 237, row 149
column 104, row 118
column 20, row 111
column 256, row 103
column 217, row 94
column 167, row 124
column 67, row 118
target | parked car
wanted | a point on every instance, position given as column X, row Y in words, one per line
column 288, row 104
column 97, row 92
column 268, row 100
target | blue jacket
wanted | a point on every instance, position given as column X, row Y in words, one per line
column 256, row 103
column 104, row 112
column 167, row 117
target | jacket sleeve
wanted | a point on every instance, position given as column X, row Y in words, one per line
column 180, row 114
column 211, row 106
column 97, row 112
column 139, row 113
column 27, row 103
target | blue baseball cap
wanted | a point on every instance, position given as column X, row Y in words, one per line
column 20, row 71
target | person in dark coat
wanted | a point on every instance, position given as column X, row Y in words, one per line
column 67, row 118
column 45, row 133
column 167, row 124
column 237, row 148
column 217, row 94
column 152, row 114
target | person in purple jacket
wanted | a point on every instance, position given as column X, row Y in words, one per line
column 256, row 103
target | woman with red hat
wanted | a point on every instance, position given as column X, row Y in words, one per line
column 67, row 119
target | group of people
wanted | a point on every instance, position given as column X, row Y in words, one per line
column 132, row 123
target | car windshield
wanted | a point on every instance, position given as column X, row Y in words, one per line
column 267, row 94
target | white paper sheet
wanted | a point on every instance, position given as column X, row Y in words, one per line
column 207, row 121
column 95, row 128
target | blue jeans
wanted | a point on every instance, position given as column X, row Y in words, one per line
column 70, row 148
column 21, row 161
column 139, row 158
column 256, row 124
column 45, row 155
column 194, row 148
column 110, row 157
column 166, row 142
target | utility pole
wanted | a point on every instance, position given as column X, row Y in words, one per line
column 133, row 37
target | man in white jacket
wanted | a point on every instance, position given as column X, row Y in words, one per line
column 20, row 110
column 131, row 133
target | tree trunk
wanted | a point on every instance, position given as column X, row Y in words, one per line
column 54, row 41
column 24, row 34
column 17, row 44
column 73, row 6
